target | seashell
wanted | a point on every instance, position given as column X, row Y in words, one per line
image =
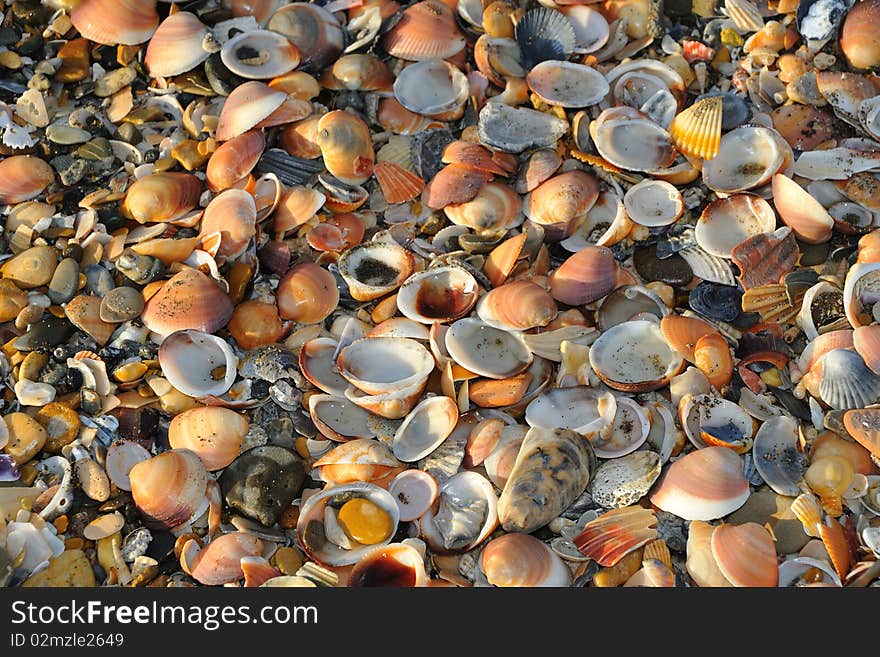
column 467, row 512
column 837, row 164
column 375, row 269
column 584, row 277
column 121, row 457
column 115, row 22
column 747, row 158
column 846, row 382
column 233, row 214
column 790, row 121
column 398, row 184
column 544, row 34
column 798, row 570
column 808, row 510
column 495, row 208
column 234, row 159
column 765, row 258
column 380, row 365
column 358, row 72
column 297, row 206
column 517, row 306
column 830, row 444
column 220, row 562
column 580, row 408
column 194, row 362
column 858, row 43
column 188, row 300
column 492, row 393
column 703, row 485
column 431, row 87
column 315, row 32
column 307, row 294
column 346, row 146
column 501, row 459
column 858, row 292
column 614, row 534
column 23, row 177
column 255, row 323
column 696, row 132
column 712, row 357
column 531, row 498
column 215, row 434
column 629, row 139
column 426, row 30
column 653, row 203
column 439, row 294
column 415, row 492
column 245, row 107
column 84, row 313
column 711, row 420
column 708, row 267
column 628, row 431
column 829, row 477
column 393, row 565
column 745, row 16
column 472, row 156
column 561, row 201
column 340, row 419
column 590, row 27
column 318, row 364
column 621, row 482
column 745, row 554
column 169, row 489
column 539, row 166
column 259, row 54
column 864, row 425
column 628, row 301
column 728, row 222
column 566, row 84
column 361, row 459
column 424, row 428
column 521, row 560
column 177, row 45
column 485, row 350
column 701, row 564
column 162, row 197
column 635, row 357
column 800, row 211
column 393, row 405
column 362, row 509
column 454, row 184
column 719, row 302
column 167, row 250
column 777, row 457
column 516, row 129
column 851, row 218
column 682, row 333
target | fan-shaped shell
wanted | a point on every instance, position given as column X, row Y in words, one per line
column 169, row 489
column 177, row 45
column 521, row 560
column 614, row 534
column 188, row 300
column 115, row 22
column 214, row 433
column 426, row 30
column 745, row 554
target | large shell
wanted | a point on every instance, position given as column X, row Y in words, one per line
column 169, row 489
column 858, row 40
column 748, row 157
column 380, row 365
column 346, row 146
column 220, row 562
column 515, row 129
column 190, row 361
column 362, row 459
column 234, row 159
column 765, row 258
column 214, row 433
column 727, row 222
column 162, row 197
column 532, row 497
column 745, row 554
column 567, row 84
column 232, row 214
column 521, row 560
column 701, row 565
column 115, row 22
column 485, row 350
column 188, row 300
column 777, row 457
column 467, row 512
column 177, row 45
column 614, row 534
column 375, row 269
column 864, row 426
column 431, row 87
column 703, row 485
column 426, row 426
column 634, row 356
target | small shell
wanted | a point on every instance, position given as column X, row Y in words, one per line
column 453, row 184
column 682, row 333
column 580, row 408
column 198, row 364
column 748, row 157
column 426, row 426
column 515, row 129
column 431, row 87
column 232, row 214
column 375, row 269
column 394, row 565
column 567, row 84
column 398, row 184
column 621, row 482
column 415, row 492
column 584, row 277
column 629, row 139
column 776, row 455
column 590, row 27
column 313, row 30
column 561, row 201
column 121, row 457
column 859, row 292
column 234, row 159
column 712, row 357
column 517, row 306
column 765, row 258
column 340, row 419
column 745, row 554
column 701, row 565
column 23, row 177
column 864, row 426
column 653, row 203
column 362, row 459
column 318, row 364
column 614, row 534
column 188, row 300
column 162, row 196
column 808, row 510
column 260, row 54
column 495, row 208
column 846, row 382
column 697, row 130
column 467, row 512
column 858, row 41
column 544, row 34
column 220, row 561
column 307, row 294
column 439, row 294
column 635, row 357
column 346, row 146
column 169, row 489
column 486, row 351
column 521, row 560
column 380, row 365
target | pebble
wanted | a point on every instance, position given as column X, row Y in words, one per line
column 65, row 281
column 262, row 482
column 121, row 304
column 66, row 135
column 12, row 300
column 99, row 282
column 288, row 560
column 83, row 312
column 93, row 480
column 74, row 61
column 111, row 82
column 49, row 332
column 31, row 268
column 69, row 569
column 31, row 393
column 26, row 437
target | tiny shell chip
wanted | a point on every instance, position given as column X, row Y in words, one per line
column 567, row 84
column 624, row 481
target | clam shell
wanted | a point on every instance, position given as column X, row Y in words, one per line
column 394, row 565
column 307, row 294
column 629, row 139
column 792, row 570
column 517, row 306
column 245, row 107
column 567, row 84
column 220, row 562
column 521, row 560
column 621, row 482
column 375, row 269
column 703, row 485
column 748, row 157
column 234, row 159
column 728, row 222
column 415, row 492
column 697, row 130
column 745, row 554
column 472, row 156
column 426, row 30
column 213, row 433
column 486, row 351
column 380, row 365
column 495, row 208
column 393, row 405
column 467, row 512
column 346, row 146
column 169, row 489
column 590, row 27
column 627, row 433
column 232, row 214
column 800, row 211
column 431, row 87
column 317, row 362
column 121, row 457
column 701, row 565
column 614, row 534
column 361, row 459
column 260, row 54
column 341, row 420
column 503, row 258
column 776, row 455
column 115, row 22
column 453, row 184
column 424, row 428
column 544, row 34
column 859, row 292
column 188, row 300
column 864, row 425
column 531, row 498
column 628, row 301
column 712, row 357
column 500, row 461
column 23, row 177
column 634, row 356
column 858, row 41
column 562, row 200
column 584, row 277
column 653, row 203
column 516, row 129
column 176, row 47
column 162, row 196
column 580, row 408
column 313, row 30
column 189, row 359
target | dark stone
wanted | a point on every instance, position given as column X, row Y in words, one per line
column 426, row 151
column 674, row 270
column 262, row 482
column 49, row 332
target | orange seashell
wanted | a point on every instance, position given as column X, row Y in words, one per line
column 495, row 208
column 245, row 107
column 23, row 177
column 830, row 444
column 188, row 300
column 398, row 184
column 234, row 159
column 255, row 323
column 539, row 167
column 300, row 139
column 307, row 294
column 176, row 47
column 682, row 333
column 394, row 117
column 233, row 214
column 834, row 538
column 859, row 40
column 358, row 72
column 290, row 111
column 703, row 485
column 586, row 276
column 800, row 211
column 804, row 127
column 362, row 459
column 866, row 340
column 614, row 534
column 261, row 10
column 220, row 561
column 562, row 200
column 214, row 433
column 712, row 357
column 482, row 439
column 296, row 84
column 116, row 22
column 326, row 237
column 521, row 560
column 84, row 313
column 765, row 258
column 701, row 565
column 314, row 30
column 346, row 146
column 426, row 30
column 454, row 184
column 257, row 571
column 517, row 306
column 351, row 225
column 168, row 249
column 162, row 196
column 745, row 554
column 502, row 259
column 297, row 206
column 395, row 565
column 869, row 247
column 169, row 489
column 472, row 156
column 498, row 393
column 697, row 130
column 864, row 425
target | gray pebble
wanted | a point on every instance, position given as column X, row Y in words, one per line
column 64, row 134
column 262, row 482
column 121, row 304
column 98, row 280
column 64, row 281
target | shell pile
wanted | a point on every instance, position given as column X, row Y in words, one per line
column 456, row 292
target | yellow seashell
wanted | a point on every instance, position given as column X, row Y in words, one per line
column 808, row 510
column 697, row 130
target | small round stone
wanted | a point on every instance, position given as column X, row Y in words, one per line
column 65, row 281
column 121, row 305
column 365, row 522
column 26, row 437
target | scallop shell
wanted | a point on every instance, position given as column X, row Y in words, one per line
column 485, row 350
column 728, row 222
column 426, row 426
column 846, row 382
column 190, row 359
column 531, row 498
column 621, row 482
column 745, row 554
column 634, row 357
column 808, row 510
column 614, row 534
column 703, row 485
column 398, row 184
column 176, row 47
column 567, row 84
column 544, row 34
column 521, row 560
column 426, row 30
column 697, row 130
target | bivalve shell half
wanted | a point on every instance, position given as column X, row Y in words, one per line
column 563, row 200
column 162, row 196
column 485, row 350
column 426, row 30
column 169, row 489
column 567, row 84
column 653, row 203
column 375, row 269
column 467, row 512
column 315, row 31
column 627, row 433
column 115, row 22
column 380, row 365
column 431, row 87
column 232, row 214
column 515, row 129
column 845, row 380
column 727, row 222
column 864, row 425
column 776, row 455
column 745, row 554
column 697, row 130
column 580, row 408
column 245, row 107
column 361, row 459
column 629, row 139
column 346, row 146
column 860, row 292
column 748, row 157
column 214, row 433
column 800, row 211
column 439, row 294
column 198, row 364
column 341, row 420
column 584, row 277
column 634, row 357
column 394, row 565
column 317, row 362
column 703, row 485
column 496, row 208
column 521, row 560
column 234, row 159
column 517, row 306
column 176, row 47
column 260, row 54
column 220, row 562
column 614, row 534
column 307, row 294
column 621, row 482
column 415, row 492
column 188, row 300
column 426, row 426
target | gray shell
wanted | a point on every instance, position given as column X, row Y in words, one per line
column 624, row 481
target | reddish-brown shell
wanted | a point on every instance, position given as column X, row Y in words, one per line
column 307, row 294
column 454, row 184
column 234, row 159
column 347, row 146
column 398, row 184
column 164, row 196
column 188, row 300
column 23, row 177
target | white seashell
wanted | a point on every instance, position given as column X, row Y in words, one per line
column 426, row 426
column 431, row 87
column 580, row 408
column 776, row 455
column 634, row 357
column 486, row 351
column 190, row 360
column 467, row 513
